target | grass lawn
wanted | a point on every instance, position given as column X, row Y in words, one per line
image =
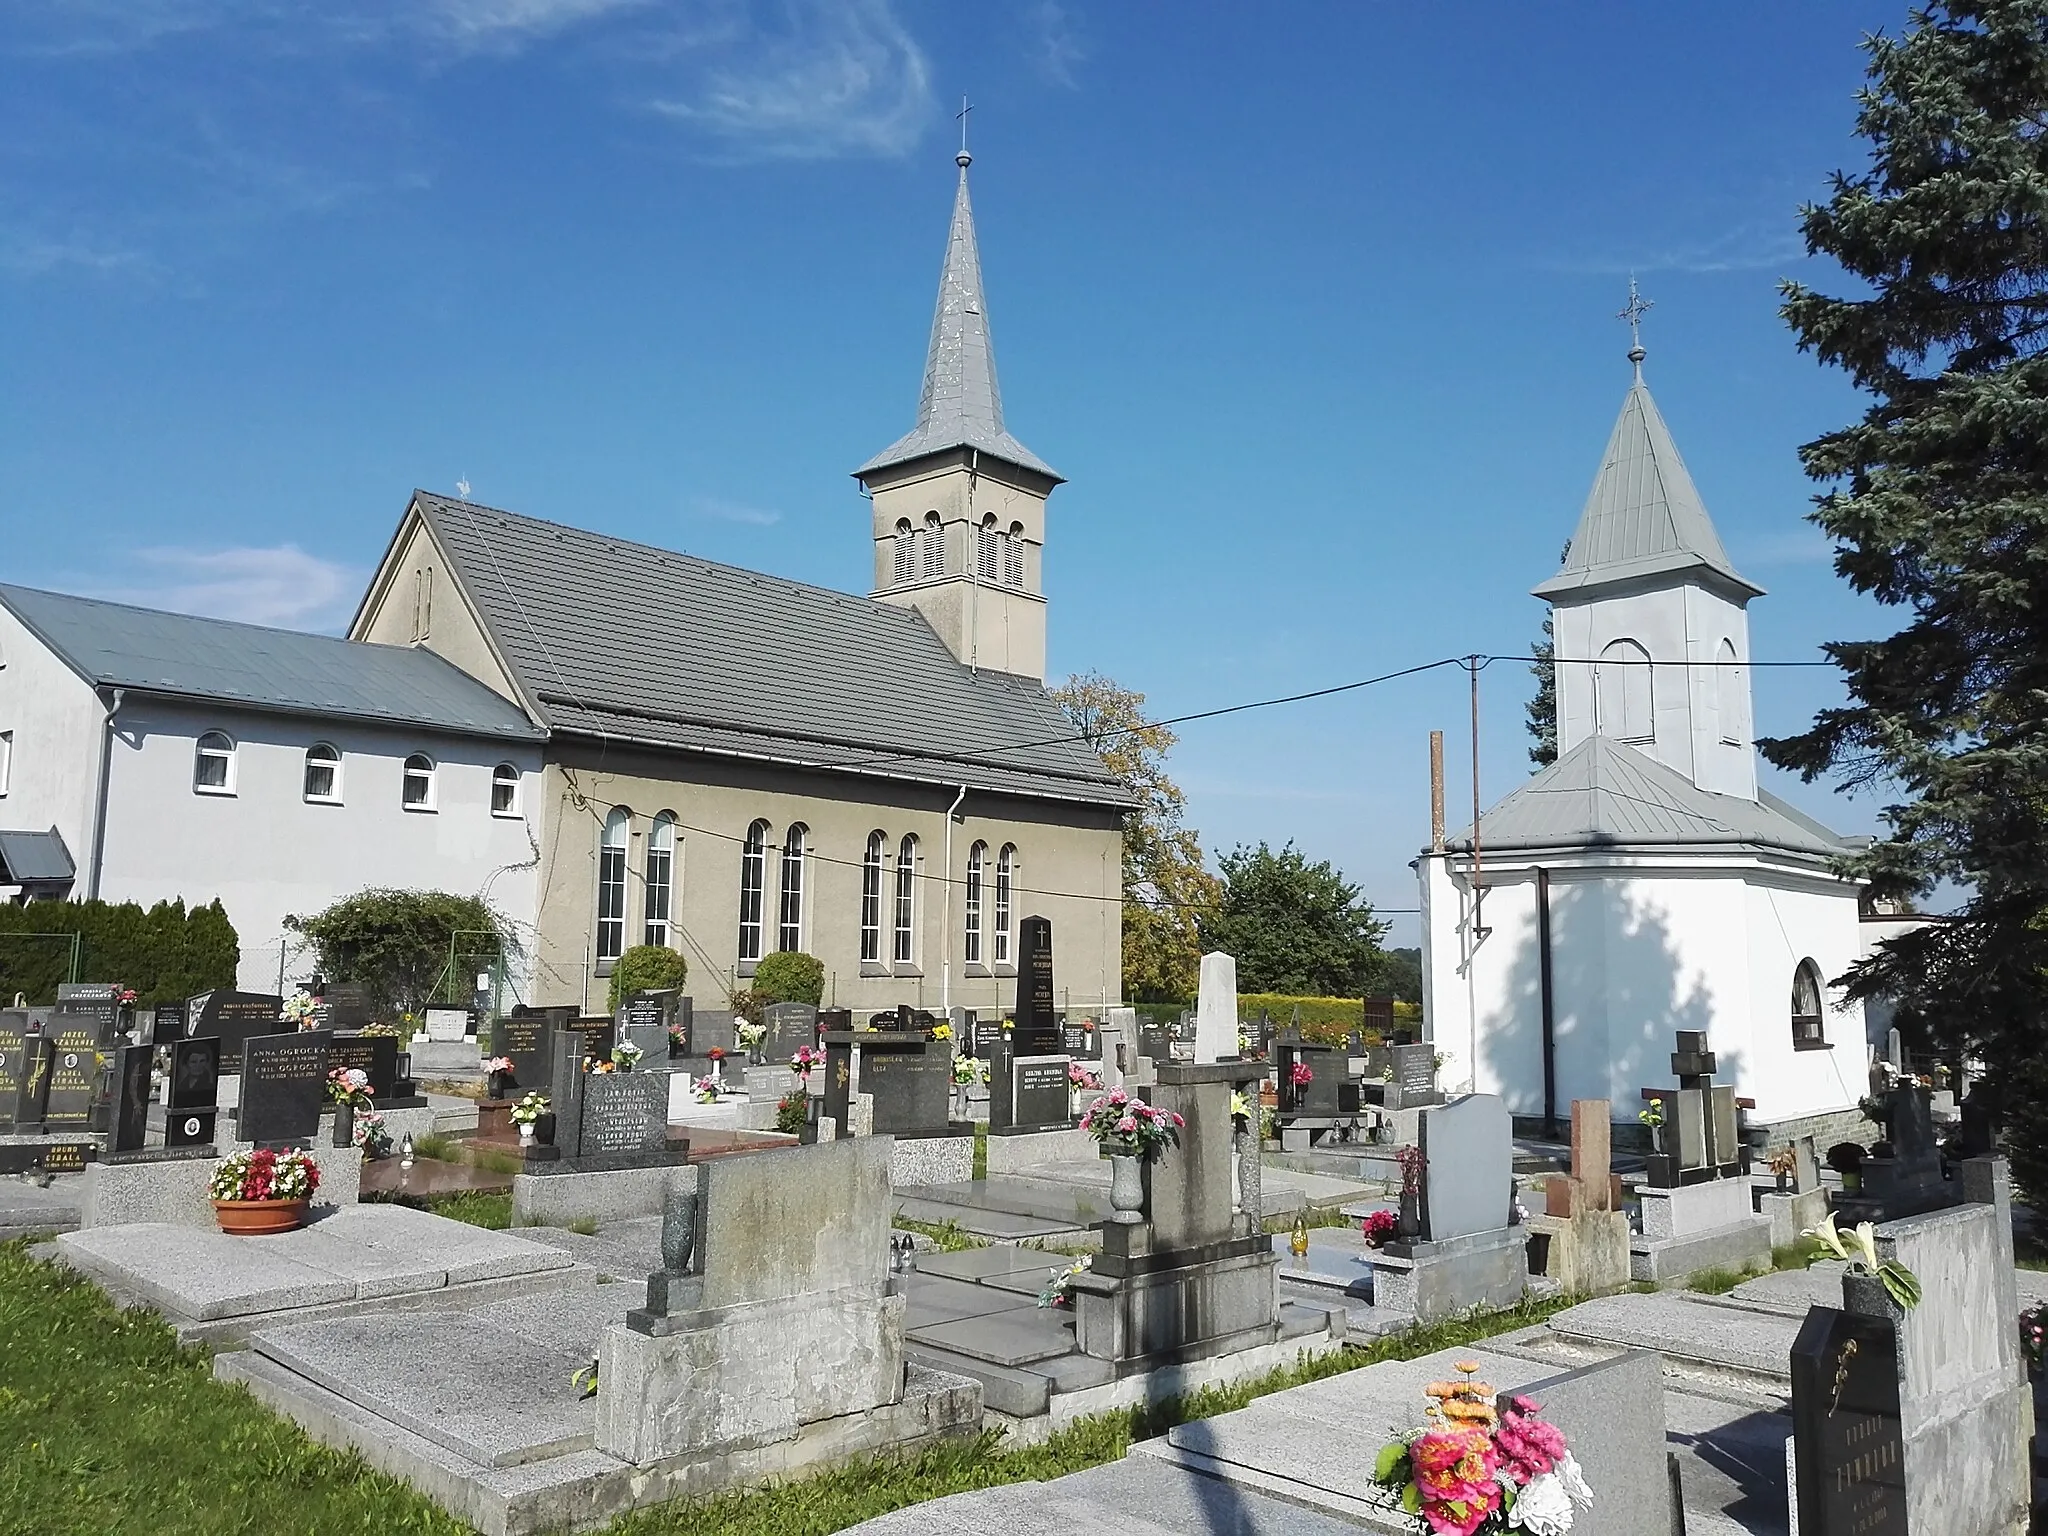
column 112, row 1429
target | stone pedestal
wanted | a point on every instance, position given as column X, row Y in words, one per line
column 176, row 1188
column 1586, row 1253
column 1711, row 1225
column 1791, row 1214
column 1439, row 1279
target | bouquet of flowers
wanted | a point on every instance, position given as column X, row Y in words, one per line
column 350, row 1086
column 1129, row 1127
column 1079, row 1076
column 967, row 1071
column 1481, row 1464
column 1377, row 1228
column 498, row 1064
column 530, row 1108
column 1240, row 1111
column 1859, row 1247
column 806, row 1057
column 791, row 1111
column 390, row 1030
column 1412, row 1163
column 2034, row 1338
column 298, row 1010
column 1300, row 1075
column 626, row 1057
column 371, row 1134
column 265, row 1175
column 1059, row 1289
column 677, row 1039
column 942, row 1031
column 706, row 1090
column 750, row 1036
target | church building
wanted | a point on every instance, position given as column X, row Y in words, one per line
column 664, row 750
column 1644, row 883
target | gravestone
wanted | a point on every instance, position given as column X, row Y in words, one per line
column 1378, row 1017
column 1041, row 1096
column 911, row 1086
column 1079, row 1038
column 1848, row 1443
column 1037, row 1031
column 566, row 1083
column 523, row 1040
column 348, row 1005
column 988, row 1035
column 74, row 1079
column 443, row 1024
column 1414, row 1080
column 1154, row 1043
column 100, row 999
column 1216, row 1009
column 649, row 1012
column 1805, row 1166
column 375, row 1056
column 35, row 1084
column 1588, row 1252
column 709, row 1029
column 284, row 1085
column 1701, row 1127
column 623, row 1113
column 13, row 1061
column 232, row 1018
column 1468, row 1167
column 790, row 1026
column 1316, row 1099
column 167, row 1024
column 599, row 1035
column 838, row 1086
column 131, row 1097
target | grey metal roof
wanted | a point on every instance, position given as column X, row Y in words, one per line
column 27, row 857
column 961, row 406
column 630, row 642
column 1644, row 516
column 115, row 645
column 1605, row 794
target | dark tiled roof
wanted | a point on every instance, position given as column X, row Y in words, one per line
column 114, row 645
column 623, row 640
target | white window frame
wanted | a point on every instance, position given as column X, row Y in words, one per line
column 657, row 906
column 505, row 776
column 431, row 773
column 609, row 935
column 1809, row 1030
column 871, row 898
column 971, row 937
column 332, row 763
column 903, row 908
column 1006, row 903
column 789, row 912
column 226, row 756
column 753, row 892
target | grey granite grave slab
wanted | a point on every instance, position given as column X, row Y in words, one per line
column 628, row 1249
column 1468, row 1181
column 493, row 1397
column 203, row 1276
column 930, row 1299
column 980, row 1221
column 1688, row 1329
column 1794, row 1290
column 568, row 1322
column 26, row 1208
column 1015, row 1338
column 466, row 1252
column 978, row 1263
column 370, row 1270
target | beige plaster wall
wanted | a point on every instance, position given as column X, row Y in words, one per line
column 1069, row 870
column 453, row 630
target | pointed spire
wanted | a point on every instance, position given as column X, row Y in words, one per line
column 1644, row 516
column 961, row 406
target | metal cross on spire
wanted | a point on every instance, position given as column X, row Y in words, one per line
column 965, row 108
column 1633, row 313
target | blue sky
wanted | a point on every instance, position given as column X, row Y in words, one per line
column 1313, row 304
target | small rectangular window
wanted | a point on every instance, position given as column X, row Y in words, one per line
column 6, row 759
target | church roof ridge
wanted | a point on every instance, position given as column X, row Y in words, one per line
column 1644, row 516
column 962, row 405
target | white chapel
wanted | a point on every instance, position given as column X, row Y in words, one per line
column 1643, row 883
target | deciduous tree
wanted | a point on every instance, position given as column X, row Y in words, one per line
column 1295, row 926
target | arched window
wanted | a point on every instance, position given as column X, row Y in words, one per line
column 1013, row 557
column 753, row 875
column 871, row 898
column 789, row 932
column 1622, row 692
column 934, row 547
column 213, row 764
column 906, row 552
column 905, row 951
column 611, row 883
column 504, row 790
column 988, row 541
column 661, row 876
column 417, row 793
column 1728, row 693
column 1006, row 880
column 323, row 774
column 977, row 861
column 423, row 602
column 1808, row 1030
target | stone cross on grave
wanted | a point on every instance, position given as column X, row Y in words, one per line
column 1592, row 1185
column 1701, row 1138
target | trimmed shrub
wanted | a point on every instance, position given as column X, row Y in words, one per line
column 646, row 968
column 790, row 976
column 1325, row 1020
column 165, row 953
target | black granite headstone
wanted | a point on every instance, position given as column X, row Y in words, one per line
column 131, row 1097
column 567, row 1080
column 650, row 1010
column 1316, row 1099
column 347, row 1004
column 1154, row 1040
column 1041, row 1095
column 195, row 1074
column 74, row 1084
column 523, row 1041
column 988, row 1034
column 232, row 1018
column 911, row 1084
column 35, row 1082
column 789, row 1026
column 13, row 1059
column 1848, row 1450
column 624, row 1112
column 284, row 1085
column 1080, row 1039
column 167, row 1024
column 376, row 1056
column 838, row 1087
column 66, row 1156
column 101, row 999
column 1038, row 1027
column 1415, row 1073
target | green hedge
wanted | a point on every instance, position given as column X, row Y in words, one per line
column 790, row 976
column 165, row 953
column 1327, row 1020
column 645, row 968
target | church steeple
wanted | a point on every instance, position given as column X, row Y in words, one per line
column 959, row 504
column 1649, row 615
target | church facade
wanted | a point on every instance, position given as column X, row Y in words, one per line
column 1644, row 883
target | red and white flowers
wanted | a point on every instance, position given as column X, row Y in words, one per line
column 1126, row 1126
column 265, row 1175
column 1483, row 1464
column 1300, row 1075
column 1079, row 1076
column 350, row 1086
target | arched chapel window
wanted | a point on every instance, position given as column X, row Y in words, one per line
column 1622, row 692
column 1729, row 692
column 934, row 547
column 1807, row 1027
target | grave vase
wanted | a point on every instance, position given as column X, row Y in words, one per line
column 544, row 1129
column 259, row 1218
column 344, row 1125
column 1126, row 1190
column 1409, row 1222
column 526, row 1135
column 495, row 1085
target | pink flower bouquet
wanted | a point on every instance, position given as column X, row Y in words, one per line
column 1480, row 1464
column 1125, row 1126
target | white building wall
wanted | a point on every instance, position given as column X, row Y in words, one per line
column 266, row 852
column 1787, row 924
column 53, row 761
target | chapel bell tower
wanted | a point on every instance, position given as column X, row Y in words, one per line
column 959, row 504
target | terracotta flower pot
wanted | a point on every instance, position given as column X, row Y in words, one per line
column 259, row 1218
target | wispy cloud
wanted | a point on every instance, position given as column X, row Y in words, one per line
column 25, row 255
column 280, row 584
column 1755, row 245
column 1055, row 47
column 835, row 79
column 735, row 512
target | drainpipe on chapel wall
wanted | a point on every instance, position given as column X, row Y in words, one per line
column 946, row 939
column 99, row 815
column 1549, row 1003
